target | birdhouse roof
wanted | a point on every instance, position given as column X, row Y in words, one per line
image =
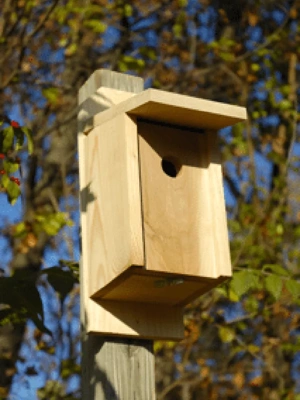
column 174, row 109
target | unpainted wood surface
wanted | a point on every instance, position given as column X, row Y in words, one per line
column 115, row 369
column 144, row 286
column 125, row 361
column 174, row 109
column 114, row 220
column 137, row 319
column 183, row 216
column 101, row 100
column 102, row 79
column 220, row 233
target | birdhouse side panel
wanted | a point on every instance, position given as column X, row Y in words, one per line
column 113, row 209
column 177, row 209
column 221, row 241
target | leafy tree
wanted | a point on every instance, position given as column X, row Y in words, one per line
column 242, row 339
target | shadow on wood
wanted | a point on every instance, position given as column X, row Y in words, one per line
column 117, row 368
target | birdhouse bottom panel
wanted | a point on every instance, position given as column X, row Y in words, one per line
column 139, row 285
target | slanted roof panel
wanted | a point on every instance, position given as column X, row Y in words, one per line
column 176, row 109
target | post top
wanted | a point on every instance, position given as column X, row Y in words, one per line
column 109, row 79
column 175, row 109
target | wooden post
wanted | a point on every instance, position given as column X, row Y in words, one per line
column 112, row 368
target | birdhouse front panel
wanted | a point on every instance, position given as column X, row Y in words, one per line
column 179, row 203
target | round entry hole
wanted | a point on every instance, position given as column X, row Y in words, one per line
column 170, row 166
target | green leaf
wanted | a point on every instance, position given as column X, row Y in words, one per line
column 19, row 134
column 148, row 52
column 70, row 50
column 214, row 44
column 20, row 230
column 53, row 390
column 233, row 296
column 177, row 30
column 234, row 226
column 12, row 316
column 237, row 349
column 96, row 25
column 255, row 114
column 251, row 304
column 252, row 348
column 5, row 181
column 276, row 268
column 130, row 63
column 224, row 41
column 51, row 94
column 8, row 139
column 7, row 288
column 255, row 67
column 286, row 89
column 226, row 334
column 127, row 10
column 13, row 191
column 61, row 14
column 93, row 9
column 10, row 167
column 73, row 267
column 51, row 226
column 52, row 223
column 221, row 291
column 285, row 105
column 243, row 281
column 31, row 299
column 69, row 222
column 28, row 134
column 279, row 229
column 21, row 294
column 227, row 56
column 274, row 285
column 293, row 287
column 63, row 42
column 297, row 229
column 262, row 52
column 62, row 281
column 182, row 3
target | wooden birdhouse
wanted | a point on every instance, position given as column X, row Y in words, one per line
column 154, row 229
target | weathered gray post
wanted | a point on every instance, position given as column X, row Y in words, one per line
column 112, row 368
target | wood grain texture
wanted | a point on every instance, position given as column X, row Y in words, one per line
column 174, row 109
column 134, row 319
column 101, row 100
column 141, row 225
column 103, row 78
column 126, row 361
column 114, row 218
column 221, row 240
column 184, row 216
column 152, row 287
column 115, row 369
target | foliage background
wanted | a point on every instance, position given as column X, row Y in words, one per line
column 242, row 340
